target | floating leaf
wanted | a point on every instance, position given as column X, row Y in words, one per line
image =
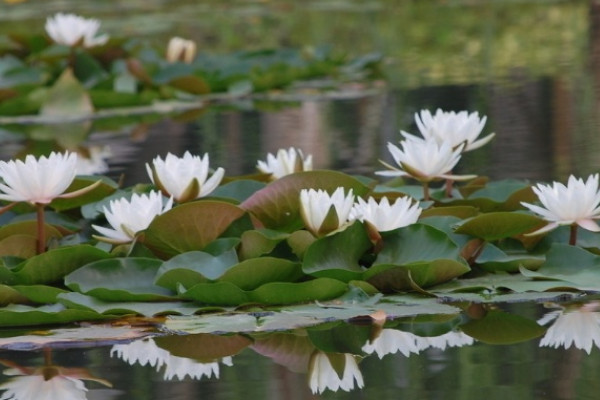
column 194, row 267
column 189, row 227
column 569, row 266
column 277, row 206
column 217, row 293
column 337, row 256
column 52, row 265
column 499, row 225
column 119, row 279
column 250, row 274
column 39, row 293
column 21, row 315
column 82, row 302
column 494, row 259
column 239, row 189
column 9, row 295
column 499, row 327
column 319, row 289
column 255, row 243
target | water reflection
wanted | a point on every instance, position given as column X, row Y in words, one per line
column 49, row 381
column 146, row 352
column 356, row 358
column 572, row 324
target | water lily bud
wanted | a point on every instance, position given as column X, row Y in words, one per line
column 185, row 178
column 180, row 49
column 322, row 213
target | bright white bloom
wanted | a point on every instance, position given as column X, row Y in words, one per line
column 71, row 30
column 147, row 352
column 286, row 162
column 95, row 163
column 184, row 178
column 457, row 129
column 35, row 387
column 391, row 341
column 128, row 217
column 573, row 326
column 322, row 213
column 424, row 159
column 322, row 376
column 386, row 217
column 37, row 181
column 180, row 49
column 577, row 203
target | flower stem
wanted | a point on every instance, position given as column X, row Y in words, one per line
column 573, row 235
column 41, row 225
column 426, row 191
column 449, row 186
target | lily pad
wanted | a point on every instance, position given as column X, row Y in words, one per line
column 277, row 205
column 119, row 279
column 337, row 256
column 203, row 347
column 194, row 267
column 189, row 227
column 500, row 225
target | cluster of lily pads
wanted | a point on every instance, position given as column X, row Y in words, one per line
column 38, row 69
column 77, row 247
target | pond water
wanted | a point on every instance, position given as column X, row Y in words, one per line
column 530, row 67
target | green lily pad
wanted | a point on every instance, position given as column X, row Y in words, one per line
column 54, row 264
column 500, row 225
column 119, row 279
column 21, row 315
column 189, row 227
column 67, row 98
column 9, row 295
column 256, row 243
column 251, row 274
column 494, row 259
column 337, row 256
column 80, row 301
column 239, row 189
column 277, row 205
column 569, row 266
column 194, row 267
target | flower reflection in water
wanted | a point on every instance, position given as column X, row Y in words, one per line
column 46, row 382
column 574, row 324
column 391, row 341
column 147, row 352
column 323, row 375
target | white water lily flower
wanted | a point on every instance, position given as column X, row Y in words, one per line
column 71, row 30
column 322, row 375
column 455, row 128
column 184, row 178
column 579, row 327
column 37, row 181
column 180, row 49
column 147, row 352
column 322, row 213
column 286, row 162
column 577, row 203
column 383, row 216
column 424, row 159
column 128, row 217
